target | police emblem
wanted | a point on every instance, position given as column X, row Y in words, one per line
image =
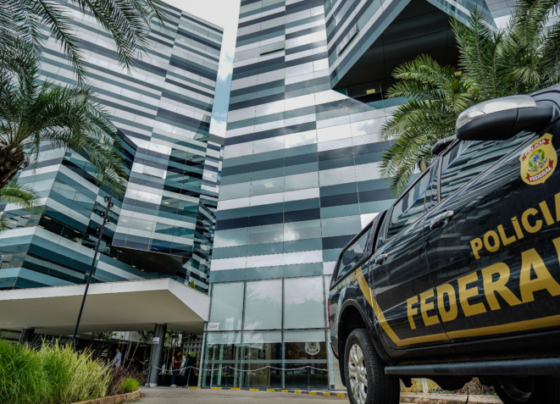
column 312, row 348
column 538, row 161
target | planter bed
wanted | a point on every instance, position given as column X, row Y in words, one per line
column 114, row 399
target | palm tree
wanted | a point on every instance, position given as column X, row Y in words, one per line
column 32, row 112
column 128, row 21
column 436, row 95
column 520, row 59
column 20, row 195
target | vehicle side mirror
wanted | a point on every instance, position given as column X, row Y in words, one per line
column 502, row 118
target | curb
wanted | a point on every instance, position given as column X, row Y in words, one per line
column 114, row 399
column 311, row 393
column 418, row 398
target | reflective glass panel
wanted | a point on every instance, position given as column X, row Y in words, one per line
column 260, row 346
column 263, row 305
column 352, row 255
column 469, row 159
column 316, row 375
column 409, row 208
column 305, row 344
column 303, row 303
column 227, row 305
column 302, row 230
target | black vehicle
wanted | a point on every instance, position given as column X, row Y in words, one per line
column 460, row 278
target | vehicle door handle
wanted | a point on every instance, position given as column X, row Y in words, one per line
column 442, row 217
column 381, row 258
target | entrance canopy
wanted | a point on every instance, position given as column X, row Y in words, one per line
column 117, row 306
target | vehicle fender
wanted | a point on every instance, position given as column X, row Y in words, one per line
column 374, row 335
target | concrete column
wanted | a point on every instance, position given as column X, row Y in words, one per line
column 155, row 355
column 26, row 335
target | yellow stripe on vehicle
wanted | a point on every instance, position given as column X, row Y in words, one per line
column 545, row 322
column 364, row 287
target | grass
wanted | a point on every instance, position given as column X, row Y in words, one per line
column 52, row 374
column 129, row 385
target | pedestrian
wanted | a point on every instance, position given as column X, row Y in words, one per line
column 191, row 361
column 177, row 361
column 118, row 359
column 104, row 356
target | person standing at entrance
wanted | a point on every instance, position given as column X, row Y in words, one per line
column 118, row 359
column 177, row 360
column 104, row 357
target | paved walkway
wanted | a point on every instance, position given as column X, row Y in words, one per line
column 166, row 395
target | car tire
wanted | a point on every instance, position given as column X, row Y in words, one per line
column 361, row 359
column 530, row 390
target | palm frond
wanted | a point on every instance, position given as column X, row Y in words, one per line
column 520, row 59
column 33, row 112
column 18, row 194
column 53, row 15
column 128, row 21
column 481, row 52
column 550, row 62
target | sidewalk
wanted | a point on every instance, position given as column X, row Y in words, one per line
column 166, row 395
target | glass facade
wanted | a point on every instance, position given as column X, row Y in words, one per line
column 269, row 334
column 163, row 227
column 301, row 171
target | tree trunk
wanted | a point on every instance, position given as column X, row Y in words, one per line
column 12, row 161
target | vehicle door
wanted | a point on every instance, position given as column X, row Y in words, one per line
column 492, row 240
column 342, row 287
column 400, row 276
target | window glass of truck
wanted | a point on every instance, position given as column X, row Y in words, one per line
column 470, row 158
column 353, row 254
column 410, row 207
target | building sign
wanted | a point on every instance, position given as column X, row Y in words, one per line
column 155, row 340
column 213, row 327
column 312, row 348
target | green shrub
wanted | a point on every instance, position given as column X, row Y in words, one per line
column 53, row 374
column 21, row 375
column 129, row 385
column 71, row 377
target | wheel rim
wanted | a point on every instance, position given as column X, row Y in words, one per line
column 357, row 374
column 521, row 390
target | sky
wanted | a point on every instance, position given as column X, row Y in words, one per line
column 225, row 14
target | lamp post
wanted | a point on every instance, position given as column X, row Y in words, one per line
column 99, row 231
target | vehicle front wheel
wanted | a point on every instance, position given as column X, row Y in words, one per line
column 528, row 390
column 364, row 371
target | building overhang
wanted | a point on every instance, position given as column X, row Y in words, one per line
column 117, row 306
column 415, row 27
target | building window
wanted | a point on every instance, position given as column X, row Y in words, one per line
column 227, row 305
column 263, row 305
column 303, row 303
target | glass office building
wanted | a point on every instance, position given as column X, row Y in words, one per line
column 163, row 226
column 301, row 171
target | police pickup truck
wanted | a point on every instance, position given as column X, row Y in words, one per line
column 460, row 278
